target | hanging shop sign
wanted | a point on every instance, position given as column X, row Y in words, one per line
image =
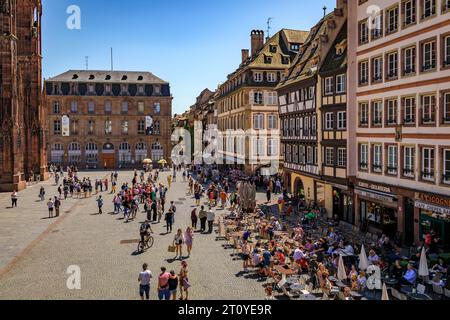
column 65, row 126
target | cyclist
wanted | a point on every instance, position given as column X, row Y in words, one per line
column 145, row 230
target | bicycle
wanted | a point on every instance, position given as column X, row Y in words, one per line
column 146, row 244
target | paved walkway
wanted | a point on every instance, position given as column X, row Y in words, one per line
column 39, row 251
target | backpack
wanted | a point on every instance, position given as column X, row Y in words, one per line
column 174, row 209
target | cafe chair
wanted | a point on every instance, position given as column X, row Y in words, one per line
column 421, row 289
column 438, row 291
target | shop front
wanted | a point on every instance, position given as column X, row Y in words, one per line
column 378, row 209
column 434, row 213
column 343, row 204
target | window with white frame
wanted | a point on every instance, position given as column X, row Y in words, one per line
column 57, row 127
column 311, row 92
column 124, row 107
column 409, row 56
column 272, row 120
column 259, row 147
column 56, row 107
column 447, row 50
column 377, row 113
column 342, row 120
column 363, row 72
column 392, row 111
column 306, row 127
column 292, row 127
column 409, row 110
column 428, row 108
column 446, row 166
column 446, row 108
column 377, row 26
column 258, row 76
column 301, row 154
column 429, row 8
column 342, row 157
column 409, row 161
column 363, row 32
column 124, row 126
column 141, row 107
column 429, row 56
column 377, row 158
column 409, row 12
column 272, row 98
column 108, row 127
column 329, row 86
column 428, row 164
column 392, row 160
column 91, row 127
column 258, row 98
column 329, row 121
column 271, row 77
column 377, row 66
column 363, row 156
column 363, row 114
column 313, row 125
column 272, row 147
column 329, row 156
column 341, row 83
column 258, row 121
column 392, row 19
column 392, row 65
column 309, row 155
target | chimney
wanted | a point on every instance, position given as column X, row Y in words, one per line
column 257, row 39
column 245, row 53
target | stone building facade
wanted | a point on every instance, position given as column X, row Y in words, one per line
column 22, row 133
column 108, row 119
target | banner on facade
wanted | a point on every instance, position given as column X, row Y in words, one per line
column 432, row 207
column 65, row 126
column 148, row 125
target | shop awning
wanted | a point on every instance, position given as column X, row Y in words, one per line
column 374, row 195
column 432, row 207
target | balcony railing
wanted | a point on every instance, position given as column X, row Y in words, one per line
column 408, row 172
column 427, row 175
column 377, row 167
column 409, row 120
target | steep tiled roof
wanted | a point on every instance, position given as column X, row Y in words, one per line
column 306, row 62
column 335, row 61
column 295, row 36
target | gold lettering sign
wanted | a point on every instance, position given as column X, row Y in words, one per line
column 433, row 199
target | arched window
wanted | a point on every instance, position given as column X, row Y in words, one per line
column 92, row 155
column 124, row 146
column 141, row 151
column 74, row 146
column 74, row 153
column 57, row 147
column 57, row 153
column 124, row 153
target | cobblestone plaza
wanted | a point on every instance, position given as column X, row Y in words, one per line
column 39, row 251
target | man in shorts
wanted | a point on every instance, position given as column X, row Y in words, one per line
column 144, row 282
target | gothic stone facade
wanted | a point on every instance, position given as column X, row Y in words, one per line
column 22, row 133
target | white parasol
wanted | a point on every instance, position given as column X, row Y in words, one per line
column 385, row 296
column 363, row 262
column 341, row 274
column 423, row 265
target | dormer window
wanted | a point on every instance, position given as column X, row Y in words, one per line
column 141, row 89
column 124, row 89
column 91, row 77
column 75, row 76
column 91, row 88
column 267, row 59
column 258, row 76
column 285, row 60
column 273, row 49
column 157, row 90
column 108, row 88
column 140, row 78
column 108, row 77
column 124, row 78
column 295, row 47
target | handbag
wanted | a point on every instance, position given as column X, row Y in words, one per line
column 186, row 283
column 171, row 249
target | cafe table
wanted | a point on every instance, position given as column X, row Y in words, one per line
column 418, row 296
column 308, row 297
column 297, row 287
column 390, row 282
column 285, row 270
column 356, row 295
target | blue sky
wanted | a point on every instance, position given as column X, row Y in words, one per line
column 193, row 44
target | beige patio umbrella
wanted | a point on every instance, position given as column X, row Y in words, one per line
column 363, row 261
column 423, row 264
column 385, row 295
column 341, row 274
column 147, row 161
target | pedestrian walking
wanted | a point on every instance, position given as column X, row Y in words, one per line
column 268, row 194
column 100, row 204
column 163, row 285
column 189, row 240
column 173, row 285
column 50, row 206
column 42, row 194
column 14, row 197
column 178, row 242
column 169, row 221
column 194, row 218
column 210, row 216
column 184, row 281
column 57, row 204
column 203, row 217
column 144, row 282
column 154, row 208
